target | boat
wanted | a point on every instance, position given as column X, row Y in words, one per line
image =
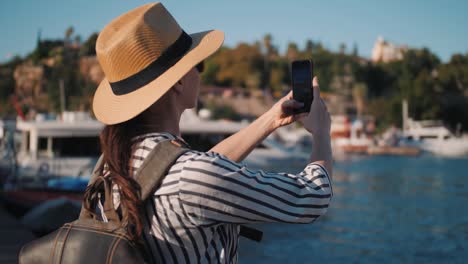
column 356, row 138
column 6, row 149
column 393, row 150
column 203, row 134
column 349, row 137
column 50, row 159
column 433, row 137
column 273, row 155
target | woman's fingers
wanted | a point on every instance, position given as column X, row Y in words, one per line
column 316, row 88
column 323, row 103
column 291, row 104
column 300, row 116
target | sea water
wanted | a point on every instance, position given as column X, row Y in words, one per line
column 384, row 210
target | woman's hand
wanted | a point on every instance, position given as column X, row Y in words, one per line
column 282, row 111
column 318, row 121
column 239, row 145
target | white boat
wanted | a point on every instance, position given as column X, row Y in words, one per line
column 349, row 137
column 50, row 149
column 203, row 134
column 49, row 159
column 292, row 136
column 46, row 149
column 43, row 160
column 432, row 136
column 272, row 155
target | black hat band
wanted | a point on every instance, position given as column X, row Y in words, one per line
column 167, row 59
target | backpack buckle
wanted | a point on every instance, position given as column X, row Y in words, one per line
column 176, row 142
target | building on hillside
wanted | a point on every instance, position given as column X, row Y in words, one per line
column 385, row 51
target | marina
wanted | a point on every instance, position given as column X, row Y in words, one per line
column 48, row 160
column 32, row 193
column 379, row 214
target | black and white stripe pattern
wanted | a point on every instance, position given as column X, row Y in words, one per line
column 195, row 216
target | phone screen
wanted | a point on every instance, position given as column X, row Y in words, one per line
column 302, row 72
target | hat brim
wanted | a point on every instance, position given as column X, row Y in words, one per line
column 112, row 109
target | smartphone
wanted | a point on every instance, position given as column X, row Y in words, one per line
column 301, row 78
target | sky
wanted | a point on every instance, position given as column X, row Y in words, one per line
column 442, row 26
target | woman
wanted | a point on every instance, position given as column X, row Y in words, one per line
column 152, row 70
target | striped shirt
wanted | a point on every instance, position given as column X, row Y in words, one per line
column 195, row 216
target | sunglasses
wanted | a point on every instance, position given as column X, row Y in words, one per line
column 200, row 67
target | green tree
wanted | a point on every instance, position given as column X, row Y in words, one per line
column 292, row 53
column 68, row 34
column 360, row 97
column 342, row 48
column 88, row 48
column 355, row 50
column 309, row 48
column 452, row 87
column 271, row 51
column 210, row 72
column 238, row 63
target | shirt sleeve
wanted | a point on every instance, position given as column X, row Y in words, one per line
column 215, row 189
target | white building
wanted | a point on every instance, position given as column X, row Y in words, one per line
column 385, row 51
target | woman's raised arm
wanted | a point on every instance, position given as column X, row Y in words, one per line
column 239, row 145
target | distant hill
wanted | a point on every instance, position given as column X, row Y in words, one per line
column 356, row 86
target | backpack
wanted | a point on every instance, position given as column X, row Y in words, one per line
column 90, row 240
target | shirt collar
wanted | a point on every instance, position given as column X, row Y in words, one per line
column 165, row 135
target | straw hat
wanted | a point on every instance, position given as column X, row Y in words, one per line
column 143, row 53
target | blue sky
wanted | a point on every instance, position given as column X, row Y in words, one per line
column 441, row 26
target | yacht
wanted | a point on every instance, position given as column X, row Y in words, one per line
column 432, row 136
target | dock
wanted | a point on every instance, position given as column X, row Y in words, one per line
column 395, row 151
column 12, row 237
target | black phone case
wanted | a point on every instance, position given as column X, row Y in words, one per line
column 302, row 93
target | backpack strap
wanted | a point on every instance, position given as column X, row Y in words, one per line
column 156, row 165
column 149, row 176
column 251, row 233
column 97, row 170
column 84, row 213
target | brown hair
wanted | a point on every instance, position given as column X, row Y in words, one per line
column 116, row 147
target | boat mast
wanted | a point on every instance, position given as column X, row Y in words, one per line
column 62, row 95
column 405, row 114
